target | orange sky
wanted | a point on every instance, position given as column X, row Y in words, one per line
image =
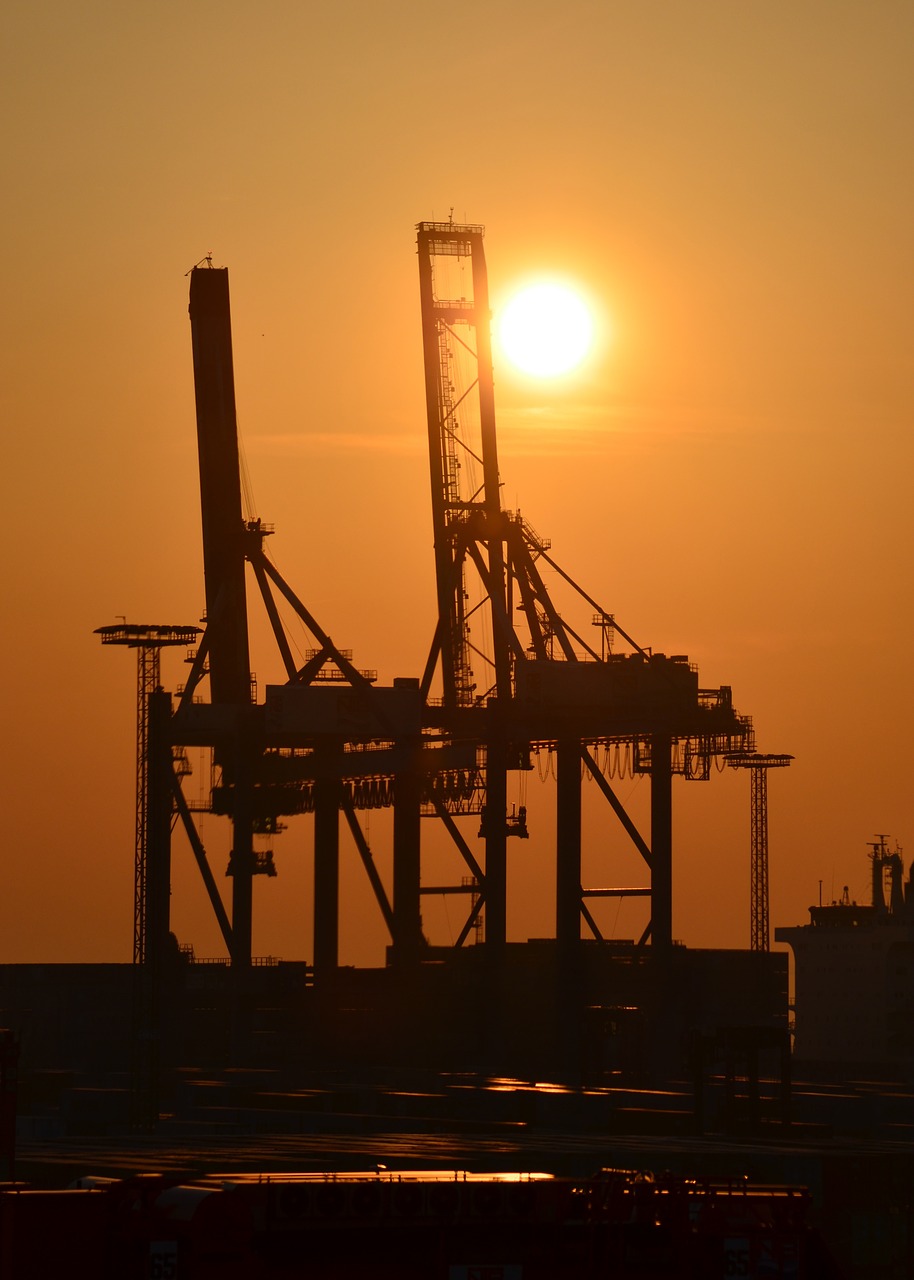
column 732, row 183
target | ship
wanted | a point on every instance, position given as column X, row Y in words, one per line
column 854, row 976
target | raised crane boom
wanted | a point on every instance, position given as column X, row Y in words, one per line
column 220, row 485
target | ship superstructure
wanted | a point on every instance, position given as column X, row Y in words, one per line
column 854, row 972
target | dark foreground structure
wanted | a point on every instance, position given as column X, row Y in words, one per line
column 410, row 1226
column 440, row 1017
column 511, row 678
column 667, row 1068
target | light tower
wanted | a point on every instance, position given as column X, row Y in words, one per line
column 149, row 641
column 758, row 872
column 151, row 879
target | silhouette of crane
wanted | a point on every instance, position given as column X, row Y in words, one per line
column 513, row 673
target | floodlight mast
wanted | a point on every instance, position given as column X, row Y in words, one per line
column 758, row 765
column 152, row 856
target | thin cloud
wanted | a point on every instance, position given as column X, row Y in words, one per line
column 547, row 431
column 296, row 444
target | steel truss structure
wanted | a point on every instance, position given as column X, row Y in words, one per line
column 512, row 669
column 151, row 879
column 507, row 675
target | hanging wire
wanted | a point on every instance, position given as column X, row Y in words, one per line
column 521, row 788
column 248, row 505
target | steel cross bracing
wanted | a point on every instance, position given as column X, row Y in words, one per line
column 507, row 672
column 329, row 741
column 507, row 669
column 148, row 679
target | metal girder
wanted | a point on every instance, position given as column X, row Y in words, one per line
column 202, row 861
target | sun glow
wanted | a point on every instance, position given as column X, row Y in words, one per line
column 546, row 329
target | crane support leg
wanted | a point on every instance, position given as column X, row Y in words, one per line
column 326, row 876
column 661, row 843
column 407, row 817
column 496, row 848
column 241, row 862
column 568, row 846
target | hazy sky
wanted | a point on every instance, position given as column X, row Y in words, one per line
column 732, row 184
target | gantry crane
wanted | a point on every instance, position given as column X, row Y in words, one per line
column 513, row 672
column 329, row 741
column 507, row 674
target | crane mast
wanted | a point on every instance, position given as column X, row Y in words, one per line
column 463, row 452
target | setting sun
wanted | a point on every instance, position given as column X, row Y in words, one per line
column 546, row 329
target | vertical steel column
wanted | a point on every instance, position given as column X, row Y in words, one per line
column 568, row 846
column 148, row 678
column 449, row 610
column 496, row 843
column 150, row 976
column 661, row 843
column 496, row 756
column 161, row 807
column 569, row 987
column 326, row 874
column 407, row 939
column 759, row 931
column 492, row 490
column 241, row 862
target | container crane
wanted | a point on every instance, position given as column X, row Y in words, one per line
column 513, row 672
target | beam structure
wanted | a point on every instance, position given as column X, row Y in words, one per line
column 512, row 670
column 507, row 673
